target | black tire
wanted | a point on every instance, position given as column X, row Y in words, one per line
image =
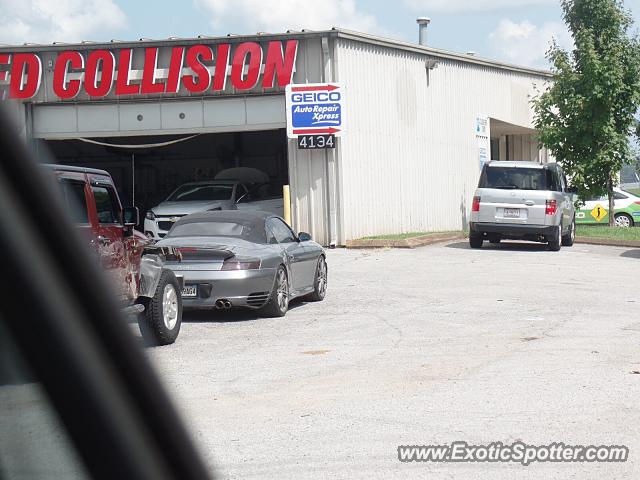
column 320, row 281
column 475, row 241
column 625, row 217
column 157, row 326
column 555, row 240
column 570, row 237
column 278, row 305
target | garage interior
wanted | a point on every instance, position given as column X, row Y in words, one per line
column 146, row 176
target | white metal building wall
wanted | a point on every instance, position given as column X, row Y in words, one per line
column 410, row 159
column 308, row 172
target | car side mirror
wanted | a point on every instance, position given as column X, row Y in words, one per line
column 304, row 237
column 131, row 216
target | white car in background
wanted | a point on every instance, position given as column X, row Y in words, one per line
column 595, row 211
column 234, row 189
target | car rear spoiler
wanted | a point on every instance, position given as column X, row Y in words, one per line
column 204, row 253
column 166, row 253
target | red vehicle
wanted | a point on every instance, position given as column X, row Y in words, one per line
column 141, row 283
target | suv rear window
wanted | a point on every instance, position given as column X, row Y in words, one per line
column 514, row 178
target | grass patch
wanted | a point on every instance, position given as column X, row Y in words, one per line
column 613, row 233
column 405, row 236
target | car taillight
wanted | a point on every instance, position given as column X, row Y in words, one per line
column 636, row 203
column 241, row 264
column 475, row 206
column 552, row 207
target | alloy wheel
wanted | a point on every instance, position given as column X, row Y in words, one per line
column 170, row 306
column 623, row 221
column 282, row 291
column 573, row 231
column 322, row 277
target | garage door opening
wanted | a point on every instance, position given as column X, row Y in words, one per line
column 146, row 176
column 514, row 142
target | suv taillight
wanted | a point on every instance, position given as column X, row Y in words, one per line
column 475, row 206
column 552, row 207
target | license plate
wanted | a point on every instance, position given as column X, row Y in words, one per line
column 190, row 291
column 512, row 213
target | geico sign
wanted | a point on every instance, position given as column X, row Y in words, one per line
column 311, row 97
column 199, row 68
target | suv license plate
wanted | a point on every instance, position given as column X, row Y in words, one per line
column 512, row 213
column 190, row 291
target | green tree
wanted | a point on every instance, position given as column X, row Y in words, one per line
column 586, row 115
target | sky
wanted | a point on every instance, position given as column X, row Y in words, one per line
column 514, row 31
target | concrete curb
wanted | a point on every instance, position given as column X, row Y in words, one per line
column 406, row 243
column 608, row 242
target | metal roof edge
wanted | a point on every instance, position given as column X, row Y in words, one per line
column 91, row 45
column 435, row 52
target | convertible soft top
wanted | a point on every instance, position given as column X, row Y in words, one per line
column 228, row 216
column 250, row 225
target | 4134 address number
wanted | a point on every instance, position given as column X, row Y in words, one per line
column 315, row 142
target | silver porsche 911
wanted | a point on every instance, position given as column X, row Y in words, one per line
column 245, row 259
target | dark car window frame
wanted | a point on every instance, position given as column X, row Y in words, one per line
column 484, row 178
column 619, row 196
column 281, row 224
column 554, row 181
column 113, row 201
column 222, row 186
column 72, row 203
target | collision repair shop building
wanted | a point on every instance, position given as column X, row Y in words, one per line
column 159, row 113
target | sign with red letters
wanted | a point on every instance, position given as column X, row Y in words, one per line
column 198, row 69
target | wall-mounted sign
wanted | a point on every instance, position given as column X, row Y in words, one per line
column 198, row 68
column 482, row 131
column 482, row 126
column 315, row 109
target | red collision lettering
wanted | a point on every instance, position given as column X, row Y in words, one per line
column 197, row 69
column 175, row 70
column 280, row 64
column 100, row 63
column 239, row 80
column 62, row 86
column 26, row 74
column 200, row 81
column 5, row 59
column 149, row 84
column 123, row 86
column 222, row 61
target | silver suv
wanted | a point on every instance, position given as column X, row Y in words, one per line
column 524, row 201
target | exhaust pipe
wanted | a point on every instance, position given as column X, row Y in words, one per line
column 223, row 304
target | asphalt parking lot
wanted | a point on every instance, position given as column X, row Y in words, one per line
column 420, row 347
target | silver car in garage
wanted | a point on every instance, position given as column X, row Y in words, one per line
column 245, row 259
column 525, row 201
